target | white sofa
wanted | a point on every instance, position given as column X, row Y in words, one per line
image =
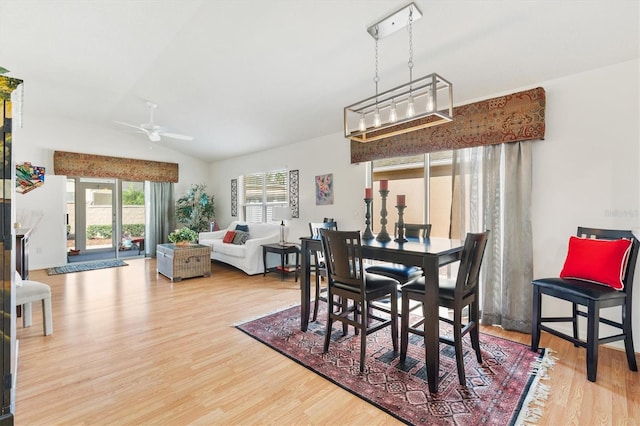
column 247, row 256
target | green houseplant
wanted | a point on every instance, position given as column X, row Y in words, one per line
column 183, row 235
column 195, row 209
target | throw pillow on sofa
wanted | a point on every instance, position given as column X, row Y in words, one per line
column 241, row 237
column 244, row 228
column 228, row 237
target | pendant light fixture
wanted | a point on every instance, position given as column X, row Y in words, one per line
column 424, row 102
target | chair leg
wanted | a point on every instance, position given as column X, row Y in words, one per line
column 47, row 317
column 535, row 324
column 394, row 319
column 628, row 336
column 474, row 333
column 575, row 323
column 26, row 315
column 457, row 340
column 593, row 322
column 316, row 302
column 363, row 335
column 327, row 334
column 404, row 326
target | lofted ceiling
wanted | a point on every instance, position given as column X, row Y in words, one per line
column 242, row 76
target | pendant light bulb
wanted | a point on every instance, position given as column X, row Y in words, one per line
column 393, row 113
column 411, row 110
column 429, row 100
column 376, row 118
column 362, row 125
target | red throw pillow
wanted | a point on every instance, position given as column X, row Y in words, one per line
column 598, row 261
column 228, row 237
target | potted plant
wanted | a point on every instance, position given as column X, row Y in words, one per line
column 183, row 236
column 195, row 209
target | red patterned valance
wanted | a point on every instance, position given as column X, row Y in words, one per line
column 515, row 117
column 100, row 166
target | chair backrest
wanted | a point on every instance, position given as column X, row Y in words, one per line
column 315, row 227
column 470, row 263
column 614, row 234
column 343, row 257
column 416, row 230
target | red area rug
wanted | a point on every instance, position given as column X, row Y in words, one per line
column 504, row 390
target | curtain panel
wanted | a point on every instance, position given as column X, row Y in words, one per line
column 515, row 117
column 492, row 190
column 100, row 166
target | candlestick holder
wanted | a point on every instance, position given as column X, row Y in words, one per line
column 368, row 235
column 401, row 238
column 383, row 235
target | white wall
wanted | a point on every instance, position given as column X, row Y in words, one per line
column 36, row 141
column 585, row 172
column 323, row 155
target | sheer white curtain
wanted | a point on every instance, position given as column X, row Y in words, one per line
column 492, row 190
column 161, row 220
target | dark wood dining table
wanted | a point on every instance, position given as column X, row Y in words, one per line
column 430, row 254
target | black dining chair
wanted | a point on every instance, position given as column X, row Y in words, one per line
column 455, row 295
column 350, row 282
column 593, row 297
column 319, row 266
column 403, row 273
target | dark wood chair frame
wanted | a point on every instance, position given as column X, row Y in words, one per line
column 349, row 281
column 319, row 267
column 403, row 273
column 594, row 297
column 456, row 296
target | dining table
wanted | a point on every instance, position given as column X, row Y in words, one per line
column 430, row 254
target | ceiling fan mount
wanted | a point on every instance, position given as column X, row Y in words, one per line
column 152, row 130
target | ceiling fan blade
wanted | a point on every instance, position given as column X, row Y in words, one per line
column 129, row 125
column 176, row 136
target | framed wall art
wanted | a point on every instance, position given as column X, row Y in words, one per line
column 294, row 176
column 324, row 189
column 234, row 197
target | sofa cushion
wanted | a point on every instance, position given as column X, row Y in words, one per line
column 228, row 237
column 241, row 237
column 231, row 250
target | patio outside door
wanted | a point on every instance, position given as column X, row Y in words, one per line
column 96, row 220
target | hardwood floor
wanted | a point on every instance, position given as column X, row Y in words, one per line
column 129, row 347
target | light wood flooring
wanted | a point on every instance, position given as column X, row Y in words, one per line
column 129, row 348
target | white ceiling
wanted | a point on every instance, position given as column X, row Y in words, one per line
column 243, row 76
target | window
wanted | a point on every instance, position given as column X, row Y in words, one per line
column 263, row 191
column 409, row 176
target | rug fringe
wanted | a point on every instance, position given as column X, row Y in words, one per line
column 258, row 316
column 539, row 392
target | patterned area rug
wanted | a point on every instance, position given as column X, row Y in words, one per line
column 504, row 390
column 89, row 266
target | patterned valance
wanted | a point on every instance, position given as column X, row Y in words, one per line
column 515, row 117
column 100, row 166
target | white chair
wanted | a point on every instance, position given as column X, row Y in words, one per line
column 28, row 291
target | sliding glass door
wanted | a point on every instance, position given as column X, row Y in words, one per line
column 105, row 219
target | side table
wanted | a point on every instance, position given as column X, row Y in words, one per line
column 284, row 250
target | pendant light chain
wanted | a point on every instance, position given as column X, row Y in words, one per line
column 410, row 63
column 376, row 78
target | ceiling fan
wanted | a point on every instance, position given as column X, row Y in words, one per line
column 152, row 130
